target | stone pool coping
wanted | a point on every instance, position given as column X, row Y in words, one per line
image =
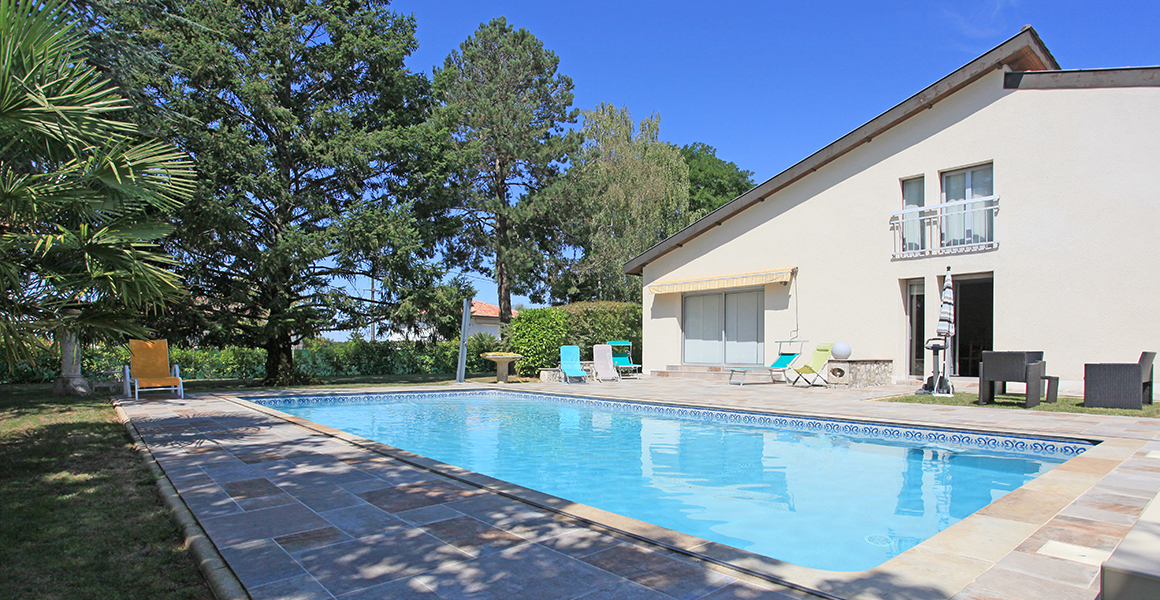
column 945, row 564
column 1025, row 545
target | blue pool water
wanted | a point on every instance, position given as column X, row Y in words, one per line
column 833, row 495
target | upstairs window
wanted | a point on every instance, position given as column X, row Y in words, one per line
column 967, row 222
column 913, row 199
column 967, row 184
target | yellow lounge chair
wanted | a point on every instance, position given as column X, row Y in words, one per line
column 149, row 369
column 816, row 367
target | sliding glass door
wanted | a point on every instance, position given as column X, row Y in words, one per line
column 704, row 338
column 724, row 328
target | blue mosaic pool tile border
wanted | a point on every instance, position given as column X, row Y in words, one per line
column 953, row 439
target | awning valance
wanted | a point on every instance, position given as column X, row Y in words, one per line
column 735, row 280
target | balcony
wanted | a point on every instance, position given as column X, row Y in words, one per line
column 954, row 227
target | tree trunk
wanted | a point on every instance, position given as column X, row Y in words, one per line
column 279, row 361
column 70, row 382
column 502, row 278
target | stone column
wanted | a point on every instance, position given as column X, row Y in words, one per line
column 70, row 382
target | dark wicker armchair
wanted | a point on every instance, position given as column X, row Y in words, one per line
column 1001, row 367
column 1119, row 385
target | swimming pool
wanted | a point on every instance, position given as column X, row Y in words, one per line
column 825, row 494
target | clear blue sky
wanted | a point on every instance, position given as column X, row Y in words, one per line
column 767, row 83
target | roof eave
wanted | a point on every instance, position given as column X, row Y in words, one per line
column 1022, row 52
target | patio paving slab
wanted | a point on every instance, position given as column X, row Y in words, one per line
column 744, row 591
column 261, row 524
column 371, row 560
column 410, row 496
column 654, row 570
column 473, row 536
column 357, row 521
column 428, row 514
column 309, row 540
column 404, row 589
column 302, row 587
column 326, row 498
column 260, row 562
column 361, row 520
column 528, row 572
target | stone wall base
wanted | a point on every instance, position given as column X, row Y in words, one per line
column 859, row 373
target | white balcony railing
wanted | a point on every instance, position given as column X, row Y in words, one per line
column 960, row 226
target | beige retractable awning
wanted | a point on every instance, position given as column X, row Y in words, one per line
column 735, row 280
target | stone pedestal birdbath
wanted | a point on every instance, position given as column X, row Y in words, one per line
column 501, row 360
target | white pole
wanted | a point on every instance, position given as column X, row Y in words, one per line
column 461, row 370
column 374, row 330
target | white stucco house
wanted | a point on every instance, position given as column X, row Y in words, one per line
column 1039, row 187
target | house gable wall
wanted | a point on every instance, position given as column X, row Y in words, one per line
column 1078, row 215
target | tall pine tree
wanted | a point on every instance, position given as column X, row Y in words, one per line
column 505, row 107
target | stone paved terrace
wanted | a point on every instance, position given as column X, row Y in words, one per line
column 303, row 511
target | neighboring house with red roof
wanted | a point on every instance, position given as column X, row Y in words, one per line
column 485, row 319
column 1035, row 185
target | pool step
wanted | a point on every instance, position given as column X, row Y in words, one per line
column 694, row 372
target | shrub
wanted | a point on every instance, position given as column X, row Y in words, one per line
column 243, row 363
column 591, row 323
column 319, row 357
column 45, row 367
column 98, row 360
column 537, row 334
column 359, row 357
column 476, row 345
column 196, row 363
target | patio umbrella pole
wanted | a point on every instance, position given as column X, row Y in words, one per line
column 939, row 384
column 945, row 330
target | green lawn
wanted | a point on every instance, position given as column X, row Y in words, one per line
column 1015, row 401
column 80, row 514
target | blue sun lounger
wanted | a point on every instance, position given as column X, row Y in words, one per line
column 783, row 362
column 570, row 364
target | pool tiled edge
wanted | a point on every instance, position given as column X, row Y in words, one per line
column 958, row 438
column 940, row 567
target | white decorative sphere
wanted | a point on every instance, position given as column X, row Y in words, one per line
column 841, row 351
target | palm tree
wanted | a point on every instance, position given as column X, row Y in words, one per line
column 80, row 195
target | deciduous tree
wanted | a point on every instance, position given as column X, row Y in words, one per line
column 712, row 181
column 635, row 190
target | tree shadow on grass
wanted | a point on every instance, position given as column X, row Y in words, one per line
column 82, row 516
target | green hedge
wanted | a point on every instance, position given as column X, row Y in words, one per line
column 45, row 367
column 320, row 358
column 538, row 333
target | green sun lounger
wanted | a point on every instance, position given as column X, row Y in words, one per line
column 814, row 371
